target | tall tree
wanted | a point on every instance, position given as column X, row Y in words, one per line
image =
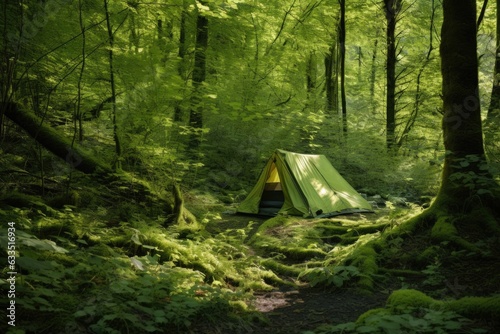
column 462, row 129
column 118, row 147
column 373, row 75
column 331, row 78
column 181, row 67
column 493, row 115
column 466, row 187
column 199, row 75
column 342, row 41
column 392, row 9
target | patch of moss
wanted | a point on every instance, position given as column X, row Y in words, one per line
column 276, row 221
column 295, row 252
column 365, row 259
column 476, row 307
column 47, row 227
column 375, row 311
column 471, row 307
column 444, row 230
column 64, row 259
column 411, row 298
column 280, row 268
column 428, row 254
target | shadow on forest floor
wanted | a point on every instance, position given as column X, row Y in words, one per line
column 304, row 309
column 301, row 308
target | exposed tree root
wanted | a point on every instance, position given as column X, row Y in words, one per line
column 442, row 225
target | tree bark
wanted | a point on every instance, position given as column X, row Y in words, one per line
column 53, row 141
column 462, row 128
column 331, row 79
column 392, row 9
column 199, row 75
column 342, row 41
column 118, row 148
column 181, row 67
column 493, row 116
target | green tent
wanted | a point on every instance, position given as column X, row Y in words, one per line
column 302, row 184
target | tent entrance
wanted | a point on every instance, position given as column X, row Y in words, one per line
column 272, row 198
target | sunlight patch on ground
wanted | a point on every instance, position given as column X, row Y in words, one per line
column 271, row 301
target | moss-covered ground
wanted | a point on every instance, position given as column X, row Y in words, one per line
column 95, row 263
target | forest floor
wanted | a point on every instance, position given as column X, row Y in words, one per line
column 289, row 310
column 262, row 264
column 303, row 308
column 296, row 311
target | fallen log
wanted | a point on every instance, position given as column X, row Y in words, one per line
column 53, row 141
column 121, row 184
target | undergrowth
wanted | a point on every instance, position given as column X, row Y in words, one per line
column 76, row 273
column 408, row 320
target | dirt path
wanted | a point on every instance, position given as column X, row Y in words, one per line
column 299, row 310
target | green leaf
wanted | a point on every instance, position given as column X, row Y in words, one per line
column 137, row 263
column 79, row 313
column 31, row 264
column 337, row 281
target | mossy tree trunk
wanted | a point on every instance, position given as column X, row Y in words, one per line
column 124, row 186
column 462, row 127
column 53, row 141
column 468, row 196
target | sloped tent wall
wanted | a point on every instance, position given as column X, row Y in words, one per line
column 311, row 187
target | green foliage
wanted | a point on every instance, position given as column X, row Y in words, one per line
column 473, row 172
column 336, row 276
column 409, row 320
column 106, row 262
column 139, row 287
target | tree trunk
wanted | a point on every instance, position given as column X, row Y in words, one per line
column 331, row 79
column 199, row 75
column 492, row 123
column 311, row 76
column 126, row 187
column 53, row 141
column 118, row 148
column 181, row 67
column 78, row 109
column 373, row 76
column 462, row 130
column 392, row 9
column 342, row 41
